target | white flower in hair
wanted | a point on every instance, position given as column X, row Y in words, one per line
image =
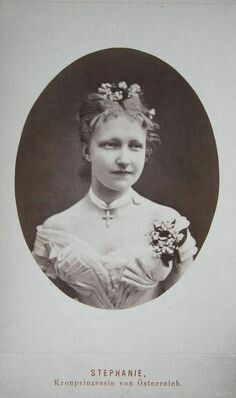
column 152, row 113
column 120, row 92
column 117, row 96
column 105, row 85
column 135, row 89
column 122, row 85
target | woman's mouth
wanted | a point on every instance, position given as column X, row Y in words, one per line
column 121, row 172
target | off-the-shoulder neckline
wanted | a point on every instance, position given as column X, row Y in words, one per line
column 67, row 238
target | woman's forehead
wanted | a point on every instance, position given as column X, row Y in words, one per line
column 120, row 127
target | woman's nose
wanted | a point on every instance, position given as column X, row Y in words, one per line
column 123, row 159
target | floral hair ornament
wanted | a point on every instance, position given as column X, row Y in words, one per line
column 165, row 240
column 121, row 91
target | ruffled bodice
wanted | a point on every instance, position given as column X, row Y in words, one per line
column 121, row 279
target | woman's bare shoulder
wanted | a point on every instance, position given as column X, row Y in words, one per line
column 64, row 220
column 155, row 209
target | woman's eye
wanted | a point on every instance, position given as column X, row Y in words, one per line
column 109, row 145
column 136, row 146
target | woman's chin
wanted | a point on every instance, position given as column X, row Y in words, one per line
column 114, row 185
column 119, row 186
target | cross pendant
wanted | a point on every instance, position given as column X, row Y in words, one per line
column 108, row 217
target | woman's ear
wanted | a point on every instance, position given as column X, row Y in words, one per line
column 86, row 154
column 148, row 154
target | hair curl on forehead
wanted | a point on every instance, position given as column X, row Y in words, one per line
column 95, row 109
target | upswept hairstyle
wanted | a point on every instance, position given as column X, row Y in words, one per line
column 96, row 109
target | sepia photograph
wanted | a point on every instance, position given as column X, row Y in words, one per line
column 117, row 199
column 116, row 178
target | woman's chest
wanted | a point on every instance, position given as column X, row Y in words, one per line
column 118, row 234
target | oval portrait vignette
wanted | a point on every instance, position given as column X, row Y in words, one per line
column 116, row 178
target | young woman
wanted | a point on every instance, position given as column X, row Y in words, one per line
column 114, row 248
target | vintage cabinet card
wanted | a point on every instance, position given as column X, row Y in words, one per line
column 182, row 343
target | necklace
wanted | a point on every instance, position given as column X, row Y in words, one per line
column 108, row 216
column 109, row 209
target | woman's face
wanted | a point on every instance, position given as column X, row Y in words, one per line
column 117, row 153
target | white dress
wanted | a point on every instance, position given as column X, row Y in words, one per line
column 120, row 279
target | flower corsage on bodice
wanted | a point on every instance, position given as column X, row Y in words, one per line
column 166, row 241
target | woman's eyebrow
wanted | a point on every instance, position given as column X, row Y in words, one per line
column 136, row 141
column 110, row 139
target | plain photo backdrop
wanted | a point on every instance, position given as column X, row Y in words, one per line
column 183, row 173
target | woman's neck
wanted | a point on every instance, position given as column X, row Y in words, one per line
column 106, row 194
